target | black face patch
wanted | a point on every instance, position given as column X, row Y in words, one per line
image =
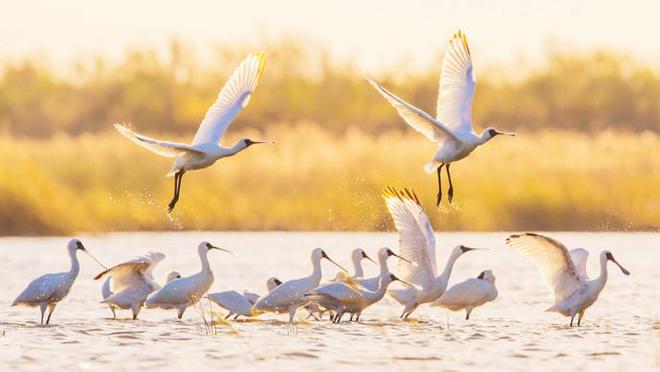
column 609, row 256
column 482, row 275
column 80, row 246
column 492, row 132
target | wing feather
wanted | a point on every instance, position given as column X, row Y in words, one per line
column 233, row 97
column 580, row 257
column 552, row 259
column 132, row 273
column 233, row 301
column 457, row 86
column 162, row 148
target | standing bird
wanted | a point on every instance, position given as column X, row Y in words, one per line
column 343, row 297
column 289, row 296
column 452, row 127
column 130, row 283
column 47, row 290
column 181, row 293
column 373, row 283
column 205, row 149
column 574, row 292
column 357, row 256
column 417, row 243
column 469, row 294
column 240, row 303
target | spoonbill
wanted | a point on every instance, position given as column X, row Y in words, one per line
column 181, row 293
column 106, row 289
column 469, row 294
column 452, row 128
column 384, row 253
column 205, row 149
column 49, row 289
column 345, row 298
column 417, row 243
column 574, row 292
column 289, row 296
column 240, row 303
column 132, row 282
column 356, row 257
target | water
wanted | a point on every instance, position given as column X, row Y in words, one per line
column 621, row 331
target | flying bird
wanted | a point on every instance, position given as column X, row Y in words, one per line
column 205, row 148
column 47, row 290
column 417, row 243
column 452, row 128
column 469, row 294
column 564, row 272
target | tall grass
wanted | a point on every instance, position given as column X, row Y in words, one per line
column 315, row 179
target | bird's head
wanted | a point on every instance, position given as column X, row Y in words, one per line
column 491, row 132
column 173, row 275
column 248, row 142
column 204, row 247
column 272, row 283
column 487, row 275
column 75, row 245
column 359, row 255
column 318, row 254
column 609, row 257
column 460, row 249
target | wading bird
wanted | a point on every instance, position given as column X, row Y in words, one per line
column 373, row 283
column 574, row 292
column 47, row 290
column 469, row 294
column 130, row 283
column 181, row 293
column 356, row 257
column 417, row 243
column 452, row 127
column 343, row 297
column 240, row 303
column 289, row 296
column 205, row 149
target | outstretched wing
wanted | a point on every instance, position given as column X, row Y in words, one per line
column 416, row 239
column 457, row 86
column 552, row 259
column 580, row 257
column 235, row 95
column 162, row 148
column 422, row 122
column 132, row 273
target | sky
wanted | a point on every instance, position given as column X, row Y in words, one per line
column 373, row 34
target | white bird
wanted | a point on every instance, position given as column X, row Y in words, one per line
column 417, row 243
column 289, row 296
column 47, row 290
column 452, row 128
column 373, row 283
column 181, row 293
column 205, row 149
column 343, row 297
column 469, row 294
column 240, row 303
column 573, row 291
column 132, row 282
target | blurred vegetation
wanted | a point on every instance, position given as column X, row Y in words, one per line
column 63, row 170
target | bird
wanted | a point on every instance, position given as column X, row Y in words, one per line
column 132, row 282
column 373, row 283
column 240, row 303
column 49, row 289
column 342, row 297
column 205, row 148
column 181, row 293
column 573, row 291
column 469, row 294
column 417, row 243
column 289, row 296
column 452, row 128
column 356, row 257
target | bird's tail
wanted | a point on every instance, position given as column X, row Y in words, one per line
column 431, row 166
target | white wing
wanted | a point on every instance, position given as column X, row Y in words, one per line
column 132, row 273
column 105, row 290
column 416, row 118
column 162, row 148
column 232, row 98
column 42, row 289
column 457, row 85
column 552, row 259
column 416, row 240
column 339, row 291
column 580, row 257
column 232, row 301
column 472, row 292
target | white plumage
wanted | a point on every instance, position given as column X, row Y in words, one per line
column 452, row 127
column 572, row 290
column 240, row 303
column 205, row 149
column 373, row 283
column 469, row 294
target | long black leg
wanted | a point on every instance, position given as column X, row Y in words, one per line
column 178, row 177
column 450, row 193
column 439, row 199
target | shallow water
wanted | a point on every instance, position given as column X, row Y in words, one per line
column 621, row 331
